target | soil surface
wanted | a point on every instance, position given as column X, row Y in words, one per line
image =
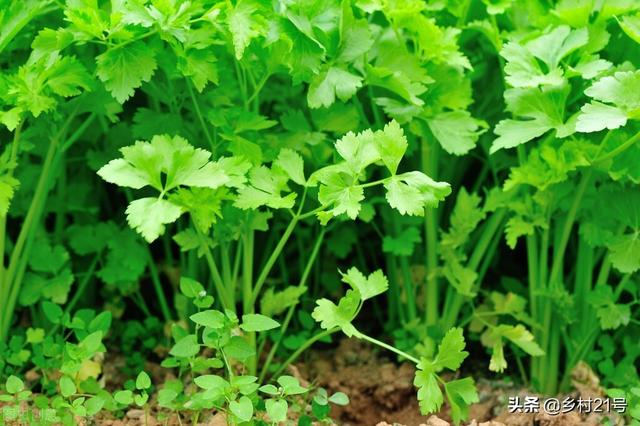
column 381, row 393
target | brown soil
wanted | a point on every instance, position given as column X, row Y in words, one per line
column 381, row 393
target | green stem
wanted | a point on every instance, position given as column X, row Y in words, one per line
column 535, row 285
column 78, row 132
column 377, row 116
column 605, row 269
column 619, row 150
column 3, row 219
column 291, row 310
column 258, row 87
column 429, row 153
column 551, row 375
column 582, row 286
column 396, row 310
column 591, row 321
column 481, row 249
column 410, row 304
column 388, row 347
column 157, row 285
column 21, row 249
column 20, row 253
column 203, row 124
column 558, row 255
column 60, row 213
column 227, row 277
column 551, row 335
column 225, row 299
column 310, row 213
column 236, row 269
column 465, row 11
column 577, row 356
column 534, row 294
column 247, row 287
column 142, row 304
column 18, row 21
column 310, row 341
column 272, row 259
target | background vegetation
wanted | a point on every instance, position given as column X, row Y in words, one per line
column 232, row 180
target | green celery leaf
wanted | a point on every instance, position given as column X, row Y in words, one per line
column 8, row 186
column 358, row 150
column 275, row 302
column 430, row 396
column 596, row 116
column 367, row 287
column 516, row 132
column 397, row 82
column 451, row 351
column 126, row 258
column 90, row 238
column 404, row 244
column 622, row 90
column 200, row 66
column 46, row 257
column 302, row 54
column 611, row 314
column 498, row 362
column 465, row 218
column 144, row 163
column 411, row 192
column 630, row 24
column 461, row 394
column 521, row 337
column 523, row 70
column 265, row 186
column 516, row 227
column 355, row 36
column 292, row 164
column 592, row 66
column 542, row 109
column 456, row 131
column 337, row 191
column 624, row 252
column 391, row 144
column 332, row 83
column 244, row 24
column 331, row 316
column 149, row 216
column 68, row 77
column 123, row 69
column 557, row 44
column 203, row 204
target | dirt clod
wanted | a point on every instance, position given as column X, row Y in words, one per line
column 436, row 421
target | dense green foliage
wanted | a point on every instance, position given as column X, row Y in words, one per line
column 227, row 182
